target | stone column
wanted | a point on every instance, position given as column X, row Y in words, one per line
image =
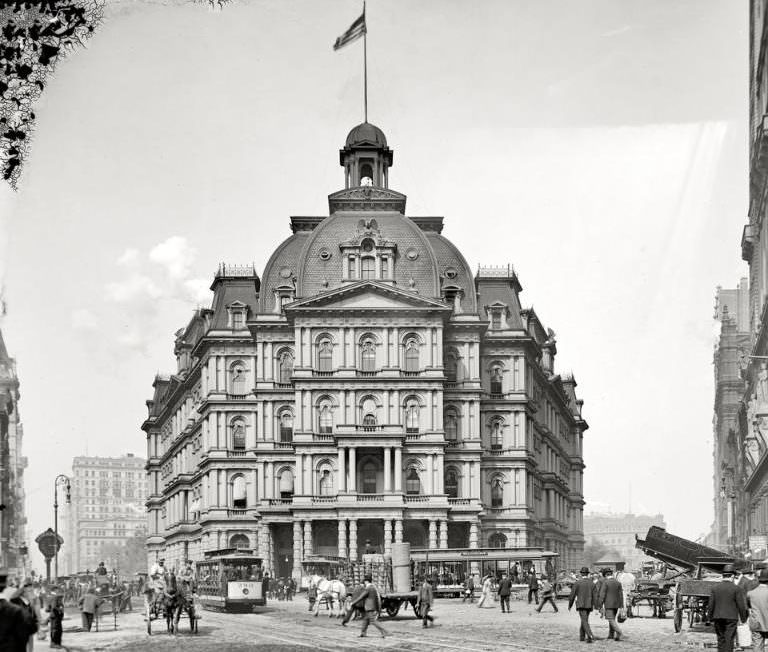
column 342, row 537
column 342, row 470
column 307, row 538
column 398, row 530
column 297, row 541
column 398, row 469
column 443, row 534
column 387, row 473
column 353, row 538
column 473, row 535
column 387, row 536
column 352, row 486
column 432, row 534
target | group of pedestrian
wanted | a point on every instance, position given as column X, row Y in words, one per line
column 605, row 594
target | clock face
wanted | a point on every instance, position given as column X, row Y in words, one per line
column 412, row 254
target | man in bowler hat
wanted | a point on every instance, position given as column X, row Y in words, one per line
column 726, row 607
column 611, row 599
column 583, row 594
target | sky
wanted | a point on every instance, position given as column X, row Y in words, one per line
column 600, row 147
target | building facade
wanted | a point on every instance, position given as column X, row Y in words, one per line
column 617, row 532
column 732, row 313
column 13, row 520
column 106, row 510
column 746, row 487
column 367, row 389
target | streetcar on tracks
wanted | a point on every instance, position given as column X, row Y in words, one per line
column 231, row 580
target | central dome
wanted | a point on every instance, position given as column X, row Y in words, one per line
column 366, row 134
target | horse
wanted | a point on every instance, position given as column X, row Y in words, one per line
column 332, row 592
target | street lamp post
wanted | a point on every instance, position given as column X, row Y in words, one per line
column 60, row 479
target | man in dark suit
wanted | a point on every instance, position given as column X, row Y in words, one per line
column 611, row 599
column 583, row 594
column 371, row 602
column 424, row 604
column 726, row 607
column 505, row 590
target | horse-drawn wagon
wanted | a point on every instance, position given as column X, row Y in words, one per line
column 692, row 589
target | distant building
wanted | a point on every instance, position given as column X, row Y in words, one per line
column 617, row 532
column 108, row 495
column 732, row 311
column 13, row 519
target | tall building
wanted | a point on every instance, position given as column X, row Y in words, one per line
column 732, row 313
column 617, row 532
column 746, row 487
column 107, row 509
column 368, row 387
column 13, row 519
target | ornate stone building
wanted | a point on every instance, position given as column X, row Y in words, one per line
column 748, row 485
column 368, row 386
column 13, row 520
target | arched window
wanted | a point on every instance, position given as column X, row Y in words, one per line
column 325, row 355
column 325, row 419
column 369, row 422
column 368, row 410
column 450, row 368
column 411, row 356
column 286, row 426
column 369, row 478
column 286, row 483
column 412, row 481
column 497, row 540
column 368, row 355
column 239, row 541
column 412, row 415
column 497, row 492
column 237, row 379
column 367, row 267
column 238, row 435
column 326, row 482
column 239, row 494
column 496, row 380
column 452, row 483
column 366, row 171
column 497, row 434
column 451, row 425
column 286, row 367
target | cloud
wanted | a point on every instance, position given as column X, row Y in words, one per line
column 175, row 255
column 129, row 258
column 198, row 290
column 135, row 287
column 84, row 320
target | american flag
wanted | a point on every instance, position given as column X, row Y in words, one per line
column 355, row 31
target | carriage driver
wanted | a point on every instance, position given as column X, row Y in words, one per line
column 187, row 576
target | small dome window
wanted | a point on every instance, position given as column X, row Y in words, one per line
column 367, row 245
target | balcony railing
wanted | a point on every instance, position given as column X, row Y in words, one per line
column 450, row 384
column 236, row 453
column 283, row 444
column 370, row 498
column 323, row 437
column 237, row 512
column 278, row 502
column 459, row 501
column 237, row 397
column 284, row 385
column 323, row 500
column 322, row 374
column 409, row 374
column 413, row 436
column 415, row 499
column 367, row 373
column 451, row 443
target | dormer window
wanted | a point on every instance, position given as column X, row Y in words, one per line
column 497, row 314
column 237, row 315
column 367, row 267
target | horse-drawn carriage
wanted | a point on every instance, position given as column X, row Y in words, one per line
column 166, row 603
column 653, row 594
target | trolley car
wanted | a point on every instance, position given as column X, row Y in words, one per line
column 230, row 580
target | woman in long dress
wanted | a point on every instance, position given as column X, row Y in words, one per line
column 486, row 596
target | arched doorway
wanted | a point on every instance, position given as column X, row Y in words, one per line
column 239, row 541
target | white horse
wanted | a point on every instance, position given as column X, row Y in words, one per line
column 333, row 592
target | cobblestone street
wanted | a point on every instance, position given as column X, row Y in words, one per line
column 288, row 626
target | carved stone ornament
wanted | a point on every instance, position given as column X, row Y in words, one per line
column 366, row 198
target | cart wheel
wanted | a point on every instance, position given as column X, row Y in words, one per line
column 677, row 620
column 392, row 609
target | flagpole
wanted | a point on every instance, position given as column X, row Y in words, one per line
column 365, row 64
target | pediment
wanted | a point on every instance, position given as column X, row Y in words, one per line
column 370, row 296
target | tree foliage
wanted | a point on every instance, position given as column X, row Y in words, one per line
column 129, row 558
column 595, row 550
column 33, row 37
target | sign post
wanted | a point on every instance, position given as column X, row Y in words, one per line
column 48, row 543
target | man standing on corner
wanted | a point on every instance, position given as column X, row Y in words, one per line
column 505, row 590
column 425, row 601
column 583, row 594
column 727, row 606
column 371, row 601
column 611, row 599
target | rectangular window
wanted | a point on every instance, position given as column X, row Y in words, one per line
column 495, row 320
column 352, row 271
column 368, row 267
column 237, row 319
column 385, row 268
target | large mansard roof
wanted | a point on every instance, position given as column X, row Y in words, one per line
column 312, row 260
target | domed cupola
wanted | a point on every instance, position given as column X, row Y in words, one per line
column 366, row 159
